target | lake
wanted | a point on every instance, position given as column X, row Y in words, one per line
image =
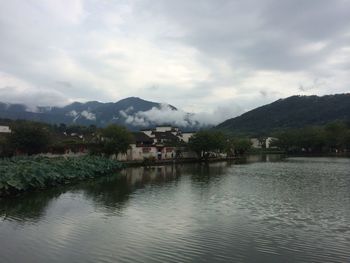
column 262, row 209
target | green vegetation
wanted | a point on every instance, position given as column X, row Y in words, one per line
column 291, row 113
column 204, row 142
column 29, row 138
column 239, row 145
column 333, row 137
column 207, row 142
column 21, row 174
column 117, row 139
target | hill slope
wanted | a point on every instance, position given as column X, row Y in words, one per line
column 292, row 112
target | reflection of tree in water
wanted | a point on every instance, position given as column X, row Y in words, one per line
column 260, row 158
column 204, row 172
column 28, row 207
column 110, row 193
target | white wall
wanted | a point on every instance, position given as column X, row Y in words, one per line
column 269, row 141
column 255, row 143
column 148, row 133
column 5, row 129
column 186, row 136
column 163, row 129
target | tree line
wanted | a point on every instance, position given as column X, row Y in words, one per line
column 210, row 142
column 31, row 138
column 331, row 138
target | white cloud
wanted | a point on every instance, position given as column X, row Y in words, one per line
column 88, row 115
column 180, row 118
column 73, row 113
column 199, row 56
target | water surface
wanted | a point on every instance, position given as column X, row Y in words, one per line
column 262, row 210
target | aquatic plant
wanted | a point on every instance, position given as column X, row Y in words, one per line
column 26, row 173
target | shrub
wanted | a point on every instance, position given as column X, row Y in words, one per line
column 26, row 173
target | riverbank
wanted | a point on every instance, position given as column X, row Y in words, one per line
column 22, row 174
column 30, row 173
column 176, row 161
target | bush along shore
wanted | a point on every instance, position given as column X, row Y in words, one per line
column 30, row 173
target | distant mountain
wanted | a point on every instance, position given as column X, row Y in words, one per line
column 292, row 112
column 125, row 112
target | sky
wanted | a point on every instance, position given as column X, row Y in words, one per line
column 216, row 58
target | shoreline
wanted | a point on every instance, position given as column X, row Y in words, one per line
column 130, row 164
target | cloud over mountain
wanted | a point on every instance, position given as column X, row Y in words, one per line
column 198, row 55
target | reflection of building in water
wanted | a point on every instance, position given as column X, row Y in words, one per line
column 263, row 158
column 161, row 143
column 142, row 175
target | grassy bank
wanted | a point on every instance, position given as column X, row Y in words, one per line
column 29, row 173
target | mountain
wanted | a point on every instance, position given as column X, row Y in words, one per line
column 124, row 112
column 291, row 112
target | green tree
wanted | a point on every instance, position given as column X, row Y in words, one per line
column 335, row 133
column 29, row 138
column 4, row 146
column 204, row 142
column 241, row 145
column 115, row 139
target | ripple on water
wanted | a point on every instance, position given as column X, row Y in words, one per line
column 288, row 211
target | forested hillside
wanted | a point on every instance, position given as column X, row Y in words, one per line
column 292, row 112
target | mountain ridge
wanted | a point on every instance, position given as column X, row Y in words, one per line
column 291, row 112
column 84, row 113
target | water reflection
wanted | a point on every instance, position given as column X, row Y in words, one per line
column 110, row 193
column 28, row 207
column 261, row 158
column 290, row 211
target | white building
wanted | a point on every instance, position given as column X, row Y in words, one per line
column 5, row 129
column 262, row 143
column 268, row 142
column 164, row 128
column 155, row 144
column 185, row 136
column 256, row 143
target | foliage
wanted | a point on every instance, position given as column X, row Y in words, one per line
column 5, row 150
column 291, row 113
column 204, row 142
column 115, row 139
column 20, row 174
column 333, row 137
column 29, row 137
column 240, row 145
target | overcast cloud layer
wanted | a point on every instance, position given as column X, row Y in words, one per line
column 211, row 56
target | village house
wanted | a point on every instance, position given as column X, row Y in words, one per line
column 262, row 143
column 5, row 129
column 256, row 143
column 160, row 143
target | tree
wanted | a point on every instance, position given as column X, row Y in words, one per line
column 241, row 145
column 29, row 138
column 336, row 135
column 4, row 146
column 332, row 137
column 115, row 139
column 204, row 142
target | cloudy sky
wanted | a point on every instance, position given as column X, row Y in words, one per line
column 219, row 56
